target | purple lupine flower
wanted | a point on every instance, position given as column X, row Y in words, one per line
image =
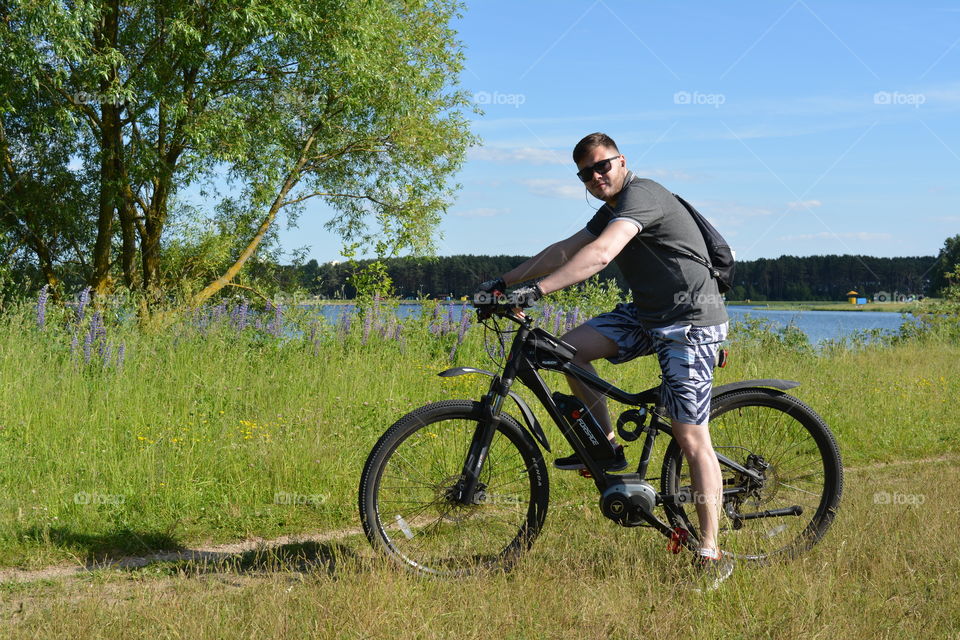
column 121, row 353
column 434, row 320
column 345, row 317
column 547, row 315
column 461, row 333
column 449, row 324
column 243, row 315
column 219, row 311
column 74, row 344
column 389, row 329
column 82, row 304
column 98, row 332
column 558, row 321
column 87, row 346
column 277, row 324
column 258, row 325
column 42, row 306
column 105, row 351
column 367, row 324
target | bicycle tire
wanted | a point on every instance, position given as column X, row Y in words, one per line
column 805, row 470
column 404, row 502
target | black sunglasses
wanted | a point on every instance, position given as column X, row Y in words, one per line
column 602, row 167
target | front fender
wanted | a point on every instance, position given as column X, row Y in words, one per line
column 533, row 425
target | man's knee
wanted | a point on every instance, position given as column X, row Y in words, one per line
column 693, row 439
column 590, row 344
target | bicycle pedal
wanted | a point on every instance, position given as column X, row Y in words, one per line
column 678, row 540
column 585, row 473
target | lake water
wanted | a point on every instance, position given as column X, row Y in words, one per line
column 817, row 325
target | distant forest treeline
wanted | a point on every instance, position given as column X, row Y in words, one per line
column 784, row 278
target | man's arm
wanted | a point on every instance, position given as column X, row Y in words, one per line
column 592, row 257
column 550, row 259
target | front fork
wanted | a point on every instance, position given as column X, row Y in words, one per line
column 490, row 405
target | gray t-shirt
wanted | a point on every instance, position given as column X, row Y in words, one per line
column 667, row 288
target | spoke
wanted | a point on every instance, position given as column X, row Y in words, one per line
column 815, row 495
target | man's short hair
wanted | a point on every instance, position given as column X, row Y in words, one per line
column 591, row 142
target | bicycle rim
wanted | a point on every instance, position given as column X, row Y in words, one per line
column 801, row 467
column 407, row 507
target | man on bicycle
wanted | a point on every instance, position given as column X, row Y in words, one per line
column 676, row 313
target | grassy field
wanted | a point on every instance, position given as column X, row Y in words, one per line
column 202, row 433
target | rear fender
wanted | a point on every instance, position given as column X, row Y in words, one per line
column 775, row 383
column 533, row 425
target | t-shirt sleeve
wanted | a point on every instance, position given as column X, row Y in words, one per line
column 637, row 205
column 599, row 221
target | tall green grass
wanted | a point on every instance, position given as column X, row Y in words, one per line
column 887, row 569
column 206, row 433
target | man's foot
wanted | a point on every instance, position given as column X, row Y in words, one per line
column 573, row 462
column 710, row 572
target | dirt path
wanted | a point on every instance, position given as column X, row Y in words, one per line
column 199, row 554
column 221, row 552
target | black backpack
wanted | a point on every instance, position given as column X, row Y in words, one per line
column 721, row 261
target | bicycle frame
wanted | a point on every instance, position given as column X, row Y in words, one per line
column 534, row 349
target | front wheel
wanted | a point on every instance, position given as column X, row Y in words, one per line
column 797, row 460
column 407, row 490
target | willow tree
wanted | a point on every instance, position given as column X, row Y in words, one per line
column 352, row 101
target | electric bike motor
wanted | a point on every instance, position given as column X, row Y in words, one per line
column 621, row 502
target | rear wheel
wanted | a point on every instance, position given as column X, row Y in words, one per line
column 796, row 457
column 408, row 483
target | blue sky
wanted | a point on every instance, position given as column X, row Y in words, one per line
column 797, row 127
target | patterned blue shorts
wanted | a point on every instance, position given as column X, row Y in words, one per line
column 687, row 356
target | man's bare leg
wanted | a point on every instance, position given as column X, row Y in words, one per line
column 694, row 440
column 591, row 345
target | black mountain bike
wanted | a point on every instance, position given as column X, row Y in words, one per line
column 461, row 485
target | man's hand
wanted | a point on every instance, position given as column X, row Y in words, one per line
column 485, row 292
column 525, row 296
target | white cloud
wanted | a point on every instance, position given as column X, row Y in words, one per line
column 554, row 188
column 727, row 213
column 663, row 174
column 521, row 155
column 804, row 204
column 481, row 212
column 861, row 236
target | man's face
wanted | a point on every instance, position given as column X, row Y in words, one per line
column 604, row 186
